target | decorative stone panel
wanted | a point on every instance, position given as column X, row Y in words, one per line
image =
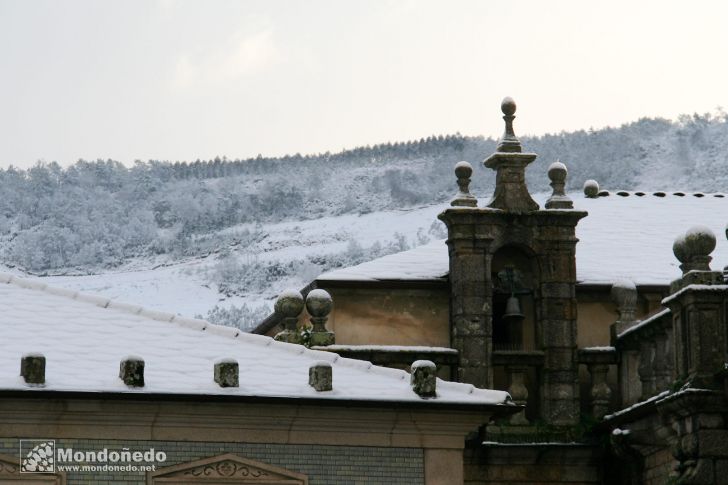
column 10, row 474
column 228, row 467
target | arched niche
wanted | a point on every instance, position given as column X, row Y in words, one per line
column 514, row 273
column 10, row 474
column 227, row 469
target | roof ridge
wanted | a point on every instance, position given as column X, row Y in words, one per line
column 658, row 193
column 129, row 308
column 224, row 331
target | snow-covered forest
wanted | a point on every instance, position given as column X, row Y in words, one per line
column 99, row 216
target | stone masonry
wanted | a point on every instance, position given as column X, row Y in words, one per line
column 547, row 238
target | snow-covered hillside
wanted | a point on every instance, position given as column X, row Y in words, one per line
column 221, row 238
column 299, row 250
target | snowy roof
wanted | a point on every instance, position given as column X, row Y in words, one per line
column 626, row 236
column 84, row 338
column 426, row 263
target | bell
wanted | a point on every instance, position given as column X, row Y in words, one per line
column 513, row 310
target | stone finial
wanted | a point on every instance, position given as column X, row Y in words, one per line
column 591, row 189
column 624, row 295
column 558, row 200
column 424, row 378
column 32, row 368
column 693, row 249
column 463, row 171
column 511, row 193
column 289, row 306
column 131, row 371
column 320, row 376
column 509, row 142
column 319, row 304
column 226, row 373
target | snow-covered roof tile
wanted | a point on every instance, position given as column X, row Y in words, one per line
column 627, row 237
column 84, row 340
column 421, row 263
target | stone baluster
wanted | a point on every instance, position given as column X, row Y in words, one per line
column 670, row 356
column 601, row 394
column 598, row 360
column 628, row 377
column 624, row 295
column 662, row 365
column 518, row 391
column 646, row 369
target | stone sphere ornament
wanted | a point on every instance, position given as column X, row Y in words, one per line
column 289, row 303
column 678, row 248
column 557, row 172
column 508, row 106
column 693, row 249
column 463, row 170
column 591, row 188
column 699, row 241
column 319, row 303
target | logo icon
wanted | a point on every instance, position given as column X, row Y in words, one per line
column 37, row 456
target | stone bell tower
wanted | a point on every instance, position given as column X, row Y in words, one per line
column 513, row 278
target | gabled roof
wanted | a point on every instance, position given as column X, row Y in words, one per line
column 84, row 338
column 626, row 235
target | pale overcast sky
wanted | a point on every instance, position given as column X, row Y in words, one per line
column 180, row 80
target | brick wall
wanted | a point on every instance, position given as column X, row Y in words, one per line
column 324, row 465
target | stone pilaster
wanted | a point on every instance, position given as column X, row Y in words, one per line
column 558, row 333
column 471, row 289
column 699, row 305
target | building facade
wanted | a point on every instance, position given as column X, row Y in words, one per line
column 597, row 312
